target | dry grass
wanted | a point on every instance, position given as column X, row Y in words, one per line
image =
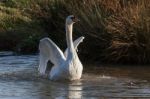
column 117, row 30
column 130, row 29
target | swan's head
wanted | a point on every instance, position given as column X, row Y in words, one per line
column 71, row 19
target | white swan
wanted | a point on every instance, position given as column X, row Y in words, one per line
column 66, row 65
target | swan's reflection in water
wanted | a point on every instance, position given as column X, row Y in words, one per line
column 75, row 90
column 59, row 90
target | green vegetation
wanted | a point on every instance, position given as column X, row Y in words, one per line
column 116, row 31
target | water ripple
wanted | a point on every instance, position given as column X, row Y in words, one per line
column 19, row 79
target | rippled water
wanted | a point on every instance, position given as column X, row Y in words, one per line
column 19, row 79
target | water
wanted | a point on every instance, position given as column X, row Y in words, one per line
column 19, row 79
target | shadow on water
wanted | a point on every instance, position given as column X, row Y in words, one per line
column 19, row 79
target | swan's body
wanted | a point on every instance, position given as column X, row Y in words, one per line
column 66, row 65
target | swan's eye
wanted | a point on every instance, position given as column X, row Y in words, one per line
column 73, row 17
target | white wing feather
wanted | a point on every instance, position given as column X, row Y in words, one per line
column 49, row 51
column 75, row 43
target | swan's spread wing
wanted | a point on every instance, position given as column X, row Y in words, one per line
column 49, row 51
column 75, row 43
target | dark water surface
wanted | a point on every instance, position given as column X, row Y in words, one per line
column 19, row 79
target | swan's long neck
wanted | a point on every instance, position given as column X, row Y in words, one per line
column 70, row 45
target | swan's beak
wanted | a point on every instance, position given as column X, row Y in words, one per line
column 75, row 19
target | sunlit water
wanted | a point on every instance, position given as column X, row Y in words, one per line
column 19, row 79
